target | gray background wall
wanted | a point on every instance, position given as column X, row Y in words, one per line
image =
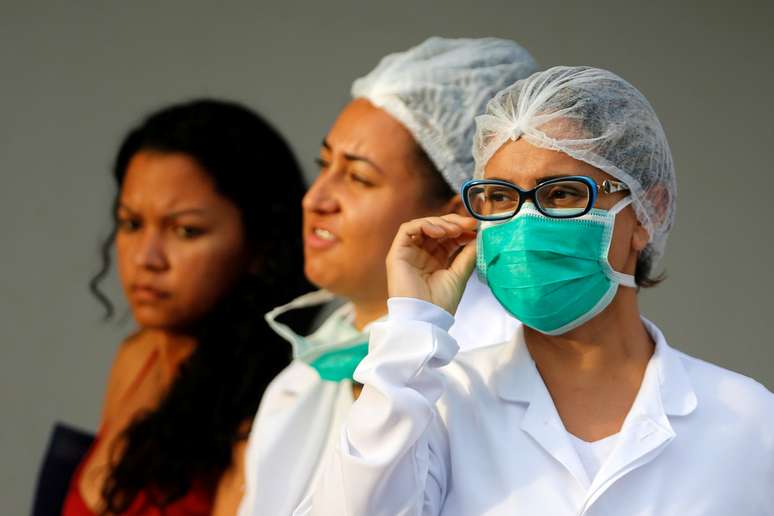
column 73, row 78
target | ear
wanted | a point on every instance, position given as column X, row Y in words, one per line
column 640, row 237
column 455, row 205
column 658, row 198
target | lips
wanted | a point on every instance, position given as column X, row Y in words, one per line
column 320, row 238
column 148, row 293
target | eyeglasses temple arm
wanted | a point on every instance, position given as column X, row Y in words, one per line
column 609, row 187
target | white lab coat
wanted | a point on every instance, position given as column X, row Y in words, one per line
column 300, row 417
column 481, row 435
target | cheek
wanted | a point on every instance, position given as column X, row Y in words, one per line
column 200, row 273
column 124, row 250
column 204, row 271
column 374, row 226
column 368, row 224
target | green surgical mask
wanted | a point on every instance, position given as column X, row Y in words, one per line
column 335, row 349
column 552, row 274
column 340, row 364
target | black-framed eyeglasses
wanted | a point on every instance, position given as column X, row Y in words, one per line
column 560, row 198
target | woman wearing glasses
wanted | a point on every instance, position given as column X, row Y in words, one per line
column 587, row 410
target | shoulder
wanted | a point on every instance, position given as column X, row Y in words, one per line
column 133, row 350
column 130, row 358
column 483, row 360
column 297, row 376
column 733, row 398
column 290, row 385
column 228, row 494
column 724, row 385
column 475, row 370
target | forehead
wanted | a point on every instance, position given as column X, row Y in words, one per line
column 166, row 181
column 525, row 164
column 366, row 130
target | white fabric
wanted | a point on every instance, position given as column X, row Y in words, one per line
column 593, row 454
column 436, row 88
column 480, row 319
column 596, row 117
column 309, row 348
column 301, row 416
column 481, row 436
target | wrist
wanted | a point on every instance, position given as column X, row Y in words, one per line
column 414, row 309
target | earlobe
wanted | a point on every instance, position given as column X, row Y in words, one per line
column 640, row 237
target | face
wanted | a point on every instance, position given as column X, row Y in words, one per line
column 368, row 185
column 526, row 166
column 181, row 246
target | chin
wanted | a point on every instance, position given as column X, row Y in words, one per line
column 157, row 319
column 327, row 278
column 319, row 274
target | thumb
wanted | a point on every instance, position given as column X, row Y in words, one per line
column 465, row 261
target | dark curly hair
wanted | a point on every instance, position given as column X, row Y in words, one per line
column 188, row 439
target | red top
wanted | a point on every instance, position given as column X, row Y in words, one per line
column 197, row 501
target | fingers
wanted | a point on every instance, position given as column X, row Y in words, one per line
column 455, row 233
column 454, row 224
column 431, row 259
column 466, row 222
column 449, row 226
column 431, row 243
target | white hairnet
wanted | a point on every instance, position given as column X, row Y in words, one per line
column 438, row 87
column 596, row 117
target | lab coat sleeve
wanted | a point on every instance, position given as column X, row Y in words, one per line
column 391, row 459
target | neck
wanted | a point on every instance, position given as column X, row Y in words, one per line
column 173, row 348
column 367, row 311
column 613, row 338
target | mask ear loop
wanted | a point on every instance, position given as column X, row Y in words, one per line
column 620, row 205
column 626, row 280
column 299, row 344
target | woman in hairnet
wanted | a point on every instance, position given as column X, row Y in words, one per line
column 586, row 410
column 400, row 150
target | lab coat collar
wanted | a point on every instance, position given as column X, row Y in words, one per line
column 665, row 391
column 518, row 380
column 299, row 378
column 647, row 431
column 677, row 394
column 517, row 374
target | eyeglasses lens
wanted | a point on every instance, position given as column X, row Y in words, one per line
column 563, row 198
column 493, row 200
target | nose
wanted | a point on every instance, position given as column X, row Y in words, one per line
column 150, row 252
column 321, row 196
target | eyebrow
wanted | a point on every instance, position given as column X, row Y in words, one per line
column 354, row 157
column 172, row 215
column 555, row 176
column 539, row 180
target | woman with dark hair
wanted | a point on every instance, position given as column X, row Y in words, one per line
column 207, row 239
